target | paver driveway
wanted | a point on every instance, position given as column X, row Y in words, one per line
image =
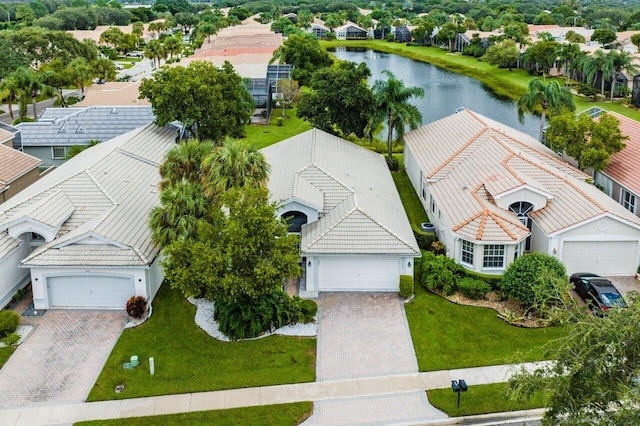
column 61, row 358
column 366, row 335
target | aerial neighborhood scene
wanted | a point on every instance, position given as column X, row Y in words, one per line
column 264, row 212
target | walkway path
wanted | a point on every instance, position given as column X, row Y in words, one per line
column 314, row 391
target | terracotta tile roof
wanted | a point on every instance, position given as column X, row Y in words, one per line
column 624, row 166
column 13, row 164
column 5, row 136
column 113, row 93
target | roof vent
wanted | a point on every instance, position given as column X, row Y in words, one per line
column 113, row 111
column 464, row 187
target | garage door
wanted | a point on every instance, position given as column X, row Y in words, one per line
column 600, row 257
column 359, row 274
column 104, row 292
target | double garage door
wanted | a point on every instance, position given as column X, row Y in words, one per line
column 77, row 291
column 359, row 274
column 600, row 257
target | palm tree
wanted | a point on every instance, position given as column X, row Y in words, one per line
column 392, row 105
column 154, row 50
column 598, row 62
column 235, row 164
column 622, row 61
column 81, row 73
column 183, row 210
column 567, row 55
column 184, row 163
column 9, row 89
column 550, row 97
column 77, row 149
column 173, row 45
column 31, row 84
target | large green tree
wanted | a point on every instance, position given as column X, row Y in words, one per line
column 541, row 97
column 304, row 52
column 392, row 106
column 211, row 102
column 340, row 101
column 591, row 142
column 598, row 64
column 621, row 61
column 504, row 55
column 594, row 378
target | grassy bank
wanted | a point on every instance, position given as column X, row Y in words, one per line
column 511, row 84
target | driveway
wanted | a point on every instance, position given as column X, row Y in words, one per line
column 60, row 360
column 366, row 335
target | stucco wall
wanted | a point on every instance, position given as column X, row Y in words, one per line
column 155, row 277
column 44, row 153
column 13, row 278
column 19, row 184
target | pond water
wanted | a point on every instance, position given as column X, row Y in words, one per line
column 444, row 91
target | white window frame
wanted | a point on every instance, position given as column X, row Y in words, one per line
column 467, row 248
column 53, row 152
column 516, row 251
column 605, row 182
column 433, row 205
column 628, row 200
column 423, row 189
column 494, row 252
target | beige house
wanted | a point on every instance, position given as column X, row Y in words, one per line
column 17, row 169
column 494, row 193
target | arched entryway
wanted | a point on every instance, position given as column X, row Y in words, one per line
column 522, row 210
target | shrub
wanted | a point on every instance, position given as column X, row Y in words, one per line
column 280, row 121
column 308, row 310
column 246, row 317
column 440, row 273
column 473, row 288
column 438, row 247
column 9, row 321
column 406, row 286
column 530, row 274
column 425, row 239
column 136, row 306
column 493, row 280
column 587, row 90
column 393, row 163
column 11, row 339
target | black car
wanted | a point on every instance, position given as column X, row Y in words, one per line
column 597, row 291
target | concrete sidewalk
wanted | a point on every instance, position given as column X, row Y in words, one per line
column 233, row 398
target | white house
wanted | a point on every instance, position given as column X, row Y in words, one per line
column 80, row 233
column 354, row 232
column 494, row 193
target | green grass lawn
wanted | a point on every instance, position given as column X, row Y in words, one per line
column 5, row 354
column 263, row 136
column 189, row 360
column 409, row 198
column 448, row 336
column 281, row 414
column 481, row 399
column 511, row 84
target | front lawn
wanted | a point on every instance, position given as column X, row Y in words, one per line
column 481, row 399
column 448, row 336
column 262, row 136
column 5, row 354
column 281, row 414
column 189, row 360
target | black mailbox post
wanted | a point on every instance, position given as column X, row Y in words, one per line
column 459, row 386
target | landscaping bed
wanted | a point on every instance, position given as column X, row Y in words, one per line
column 281, row 414
column 188, row 360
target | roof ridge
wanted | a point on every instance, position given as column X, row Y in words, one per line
column 336, row 223
column 331, row 176
column 383, row 226
column 458, row 152
column 506, row 160
column 483, row 222
column 137, row 157
column 100, row 187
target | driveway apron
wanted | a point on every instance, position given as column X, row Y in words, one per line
column 366, row 335
column 61, row 359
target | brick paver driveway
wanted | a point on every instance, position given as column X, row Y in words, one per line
column 61, row 358
column 366, row 335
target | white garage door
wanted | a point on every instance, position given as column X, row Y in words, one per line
column 104, row 292
column 359, row 274
column 600, row 257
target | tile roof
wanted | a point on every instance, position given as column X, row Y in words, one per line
column 103, row 196
column 77, row 126
column 13, row 164
column 113, row 93
column 360, row 209
column 470, row 160
column 624, row 166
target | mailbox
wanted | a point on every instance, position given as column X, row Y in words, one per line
column 463, row 385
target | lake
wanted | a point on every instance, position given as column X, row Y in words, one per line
column 444, row 91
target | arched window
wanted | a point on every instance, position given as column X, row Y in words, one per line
column 522, row 209
column 295, row 220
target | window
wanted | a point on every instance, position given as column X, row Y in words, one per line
column 628, row 200
column 423, row 189
column 516, row 251
column 433, row 205
column 604, row 183
column 493, row 256
column 59, row 152
column 467, row 252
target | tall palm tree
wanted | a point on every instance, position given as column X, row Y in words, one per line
column 392, row 105
column 184, row 163
column 232, row 165
column 10, row 89
column 598, row 62
column 550, row 97
column 32, row 83
column 183, row 210
column 567, row 54
column 622, row 61
column 155, row 50
column 81, row 73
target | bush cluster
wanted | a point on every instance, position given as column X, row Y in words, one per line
column 406, row 286
column 9, row 321
column 494, row 281
column 136, row 306
column 393, row 163
column 425, row 239
column 440, row 272
column 473, row 288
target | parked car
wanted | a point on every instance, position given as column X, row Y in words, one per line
column 119, row 67
column 597, row 291
column 134, row 54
